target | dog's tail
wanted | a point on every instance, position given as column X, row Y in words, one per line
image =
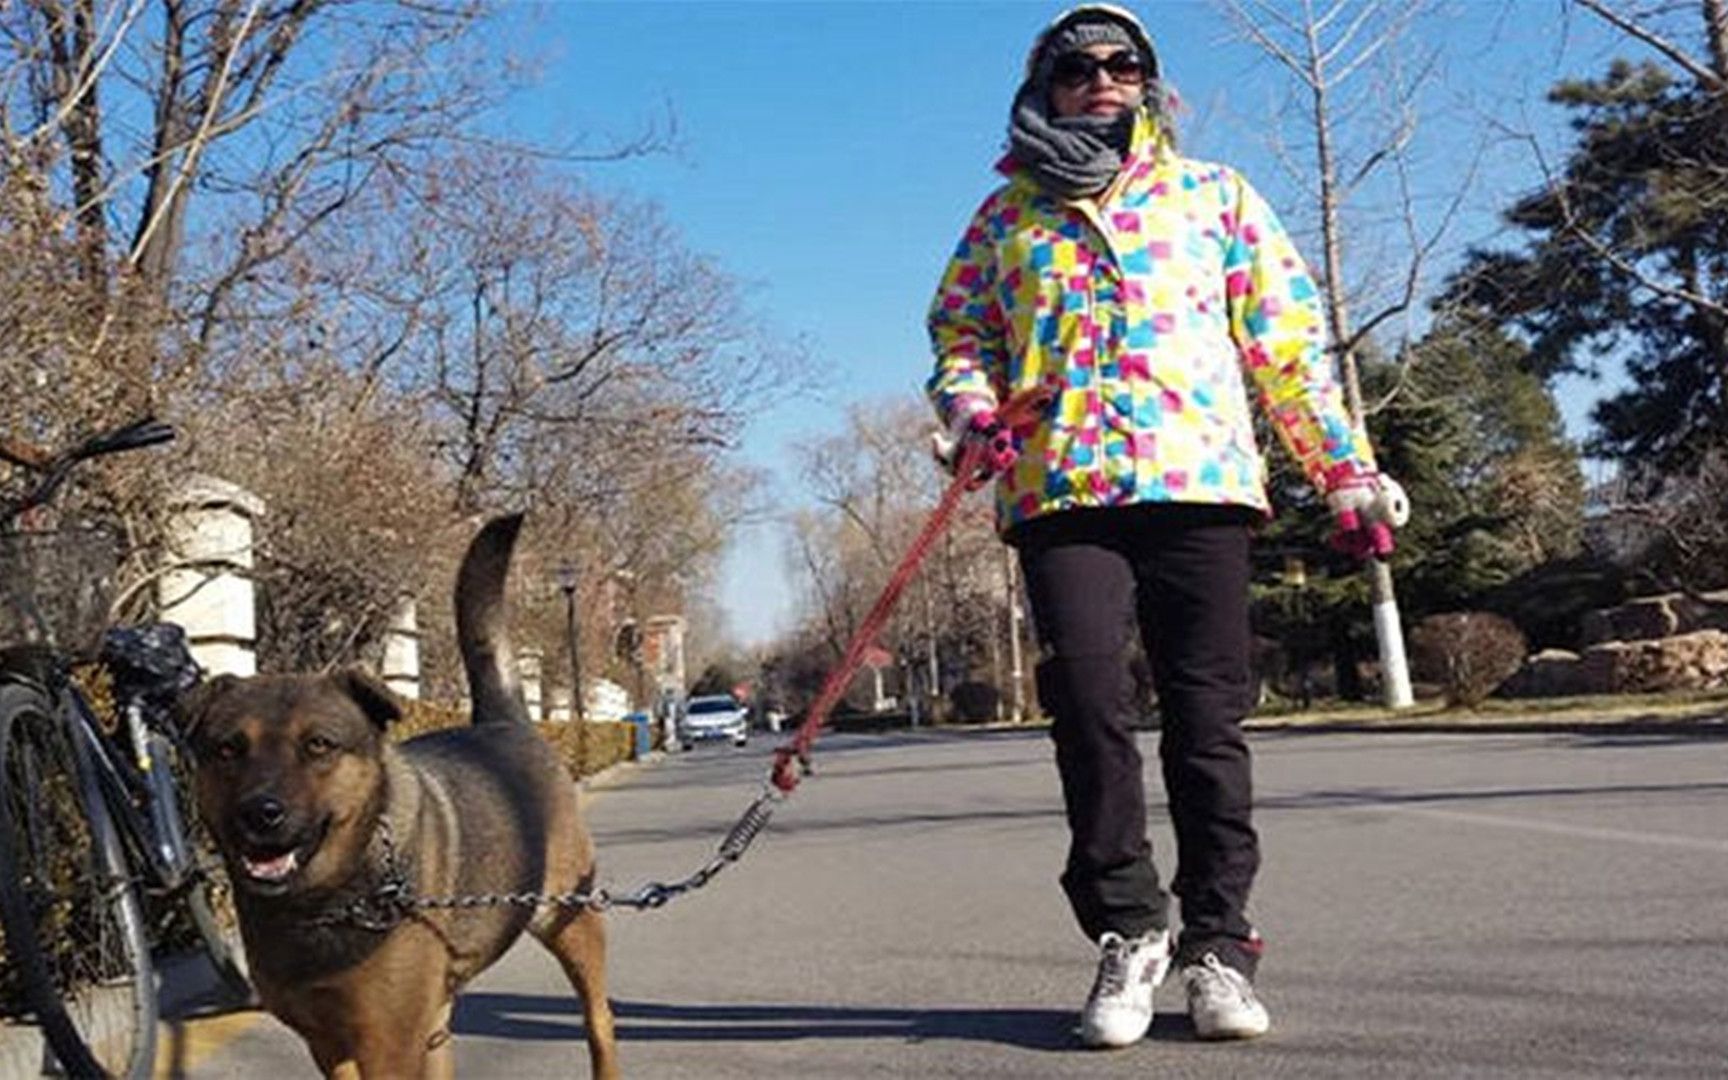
column 482, row 619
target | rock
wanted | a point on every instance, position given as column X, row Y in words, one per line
column 1637, row 620
column 1694, row 661
column 1709, row 611
column 1652, row 617
column 1549, row 673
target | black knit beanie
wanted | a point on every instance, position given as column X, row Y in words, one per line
column 1088, row 28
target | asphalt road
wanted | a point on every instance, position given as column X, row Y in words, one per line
column 1435, row 906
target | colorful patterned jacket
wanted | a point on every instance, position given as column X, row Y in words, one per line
column 1140, row 310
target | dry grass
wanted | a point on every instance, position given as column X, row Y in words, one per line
column 1674, row 707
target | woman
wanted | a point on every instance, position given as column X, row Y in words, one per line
column 1136, row 287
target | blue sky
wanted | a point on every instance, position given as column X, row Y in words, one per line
column 828, row 155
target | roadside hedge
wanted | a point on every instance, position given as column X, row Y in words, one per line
column 585, row 748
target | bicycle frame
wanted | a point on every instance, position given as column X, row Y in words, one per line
column 139, row 793
column 136, row 788
column 130, row 802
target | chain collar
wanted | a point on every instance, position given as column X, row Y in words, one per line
column 393, row 900
column 390, row 902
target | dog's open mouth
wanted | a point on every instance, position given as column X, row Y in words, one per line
column 272, row 868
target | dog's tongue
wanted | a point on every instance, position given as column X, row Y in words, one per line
column 272, row 869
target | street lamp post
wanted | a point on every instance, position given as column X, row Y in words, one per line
column 567, row 582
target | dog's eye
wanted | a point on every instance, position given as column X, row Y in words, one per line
column 319, row 746
column 233, row 748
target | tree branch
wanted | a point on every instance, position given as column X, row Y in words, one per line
column 1702, row 73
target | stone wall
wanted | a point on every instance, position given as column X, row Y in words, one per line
column 1651, row 617
column 1649, row 645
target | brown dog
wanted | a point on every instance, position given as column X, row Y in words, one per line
column 322, row 820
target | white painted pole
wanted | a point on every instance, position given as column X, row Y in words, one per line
column 1394, row 668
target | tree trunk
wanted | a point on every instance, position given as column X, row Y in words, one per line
column 1016, row 656
column 1716, row 32
column 1388, row 632
column 83, row 130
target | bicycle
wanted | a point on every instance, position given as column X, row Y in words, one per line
column 95, row 837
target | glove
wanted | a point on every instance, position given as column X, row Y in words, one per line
column 999, row 448
column 1366, row 507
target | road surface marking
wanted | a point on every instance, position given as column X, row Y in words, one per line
column 1589, row 832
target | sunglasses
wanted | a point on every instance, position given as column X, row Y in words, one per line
column 1073, row 70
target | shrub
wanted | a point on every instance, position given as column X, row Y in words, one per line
column 974, row 702
column 1468, row 654
column 585, row 749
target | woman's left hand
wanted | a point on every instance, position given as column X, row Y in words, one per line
column 1366, row 507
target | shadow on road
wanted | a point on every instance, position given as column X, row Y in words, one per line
column 1326, row 799
column 548, row 1017
column 790, row 826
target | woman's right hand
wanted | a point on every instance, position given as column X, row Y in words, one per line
column 985, row 445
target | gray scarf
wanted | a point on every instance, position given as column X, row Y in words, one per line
column 1071, row 156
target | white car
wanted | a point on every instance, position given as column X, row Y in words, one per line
column 712, row 718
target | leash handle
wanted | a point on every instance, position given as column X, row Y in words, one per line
column 792, row 760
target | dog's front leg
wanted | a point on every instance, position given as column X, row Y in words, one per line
column 407, row 1044
column 333, row 1059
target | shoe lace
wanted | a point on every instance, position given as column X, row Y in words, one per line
column 1114, row 967
column 1220, row 983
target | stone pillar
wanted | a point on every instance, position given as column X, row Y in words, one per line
column 529, row 665
column 665, row 656
column 207, row 587
column 401, row 668
column 559, row 712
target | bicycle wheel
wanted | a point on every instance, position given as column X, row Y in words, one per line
column 210, row 897
column 75, row 940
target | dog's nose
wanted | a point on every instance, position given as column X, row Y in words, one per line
column 263, row 813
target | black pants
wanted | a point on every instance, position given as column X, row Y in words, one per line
column 1180, row 574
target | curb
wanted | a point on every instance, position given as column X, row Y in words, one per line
column 22, row 1050
column 185, row 989
column 617, row 772
column 1713, row 727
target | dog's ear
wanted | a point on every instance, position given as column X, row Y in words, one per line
column 376, row 700
column 193, row 706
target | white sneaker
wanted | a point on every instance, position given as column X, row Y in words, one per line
column 1221, row 1001
column 1119, row 1009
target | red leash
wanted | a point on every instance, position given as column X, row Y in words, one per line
column 792, row 759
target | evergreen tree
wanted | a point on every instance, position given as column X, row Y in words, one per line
column 1627, row 257
column 1477, row 441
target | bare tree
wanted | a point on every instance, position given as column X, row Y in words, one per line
column 262, row 121
column 357, row 303
column 1343, row 56
column 354, row 519
column 562, row 336
column 158, row 160
column 876, row 485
